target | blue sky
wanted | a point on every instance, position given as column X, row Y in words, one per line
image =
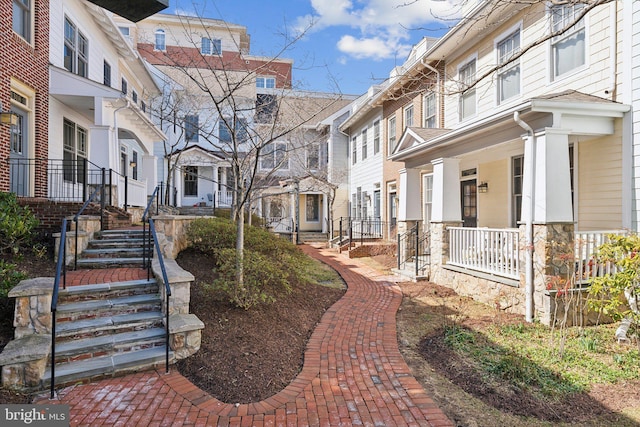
column 348, row 45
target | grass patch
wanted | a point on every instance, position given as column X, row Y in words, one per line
column 526, row 356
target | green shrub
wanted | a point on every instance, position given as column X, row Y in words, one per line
column 208, row 235
column 264, row 279
column 16, row 223
column 9, row 277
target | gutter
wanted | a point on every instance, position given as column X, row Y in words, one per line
column 530, row 160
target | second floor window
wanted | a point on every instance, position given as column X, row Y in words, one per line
column 107, row 74
column 408, row 116
column 124, row 86
column 76, row 50
column 364, row 144
column 266, row 108
column 467, row 75
column 313, row 157
column 210, row 46
column 266, row 82
column 376, row 137
column 568, row 49
column 509, row 74
column 274, row 156
column 134, row 96
column 22, row 18
column 191, row 128
column 354, row 150
column 160, row 40
column 430, row 110
column 391, row 135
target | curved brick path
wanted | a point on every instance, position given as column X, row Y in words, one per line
column 353, row 374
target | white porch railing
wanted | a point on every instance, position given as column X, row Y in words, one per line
column 585, row 245
column 136, row 192
column 225, row 198
column 490, row 250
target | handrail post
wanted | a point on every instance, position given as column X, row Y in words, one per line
column 84, row 185
column 126, row 192
column 398, row 250
column 75, row 255
column 417, row 246
column 53, row 354
column 102, row 195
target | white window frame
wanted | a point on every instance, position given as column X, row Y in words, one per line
column 22, row 19
column 427, row 198
column 266, row 82
column 160, row 40
column 313, row 152
column 191, row 128
column 193, row 178
column 364, row 147
column 407, row 114
column 376, row 137
column 391, row 134
column 510, row 68
column 430, row 110
column 78, row 46
column 274, row 156
column 75, row 150
column 354, row 150
column 574, row 31
column 467, row 94
column 209, row 46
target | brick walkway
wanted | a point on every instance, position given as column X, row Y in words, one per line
column 353, row 374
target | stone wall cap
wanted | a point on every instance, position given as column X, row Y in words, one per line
column 175, row 273
column 30, row 287
column 26, row 349
column 184, row 323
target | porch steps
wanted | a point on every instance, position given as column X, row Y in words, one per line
column 114, row 248
column 107, row 329
column 312, row 236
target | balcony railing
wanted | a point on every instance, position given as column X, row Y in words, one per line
column 489, row 250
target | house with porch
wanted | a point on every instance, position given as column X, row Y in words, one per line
column 530, row 164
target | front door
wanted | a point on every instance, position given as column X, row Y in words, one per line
column 469, row 204
column 19, row 155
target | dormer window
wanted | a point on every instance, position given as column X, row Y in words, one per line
column 211, row 46
column 266, row 82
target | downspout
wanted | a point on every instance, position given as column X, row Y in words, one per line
column 528, row 275
column 613, row 50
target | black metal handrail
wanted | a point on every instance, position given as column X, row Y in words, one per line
column 146, row 239
column 77, row 216
column 413, row 246
column 60, row 271
column 167, row 287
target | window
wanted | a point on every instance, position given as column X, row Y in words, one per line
column 75, row 152
column 354, row 199
column 134, row 165
column 266, row 108
column 76, row 49
column 124, row 160
column 509, row 74
column 569, row 48
column 408, row 116
column 427, row 188
column 266, row 82
column 191, row 181
column 364, row 144
column 430, row 110
column 22, row 18
column 224, row 133
column 313, row 207
column 359, row 202
column 143, row 107
column 517, row 174
column 391, row 134
column 467, row 74
column 313, row 157
column 376, row 137
column 134, row 96
column 124, row 86
column 106, row 67
column 125, row 31
column 160, row 40
column 191, row 128
column 274, row 155
column 211, row 46
column 354, row 150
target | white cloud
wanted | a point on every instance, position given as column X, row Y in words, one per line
column 185, row 12
column 381, row 26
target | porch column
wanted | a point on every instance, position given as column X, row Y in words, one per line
column 149, row 169
column 552, row 189
column 446, row 205
column 409, row 203
column 177, row 183
column 325, row 212
column 102, row 153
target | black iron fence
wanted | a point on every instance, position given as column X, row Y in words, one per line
column 414, row 249
column 353, row 230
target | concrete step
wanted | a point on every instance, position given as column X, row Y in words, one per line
column 132, row 242
column 118, row 323
column 110, row 262
column 90, row 309
column 108, row 290
column 114, row 252
column 103, row 345
column 120, row 234
column 106, row 366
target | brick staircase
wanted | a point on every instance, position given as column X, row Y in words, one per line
column 109, row 329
